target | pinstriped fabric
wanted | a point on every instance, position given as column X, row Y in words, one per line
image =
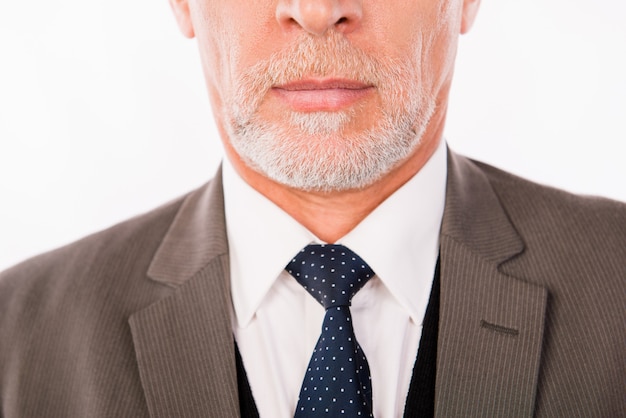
column 473, row 213
column 184, row 343
column 491, row 329
column 66, row 348
column 184, row 348
column 584, row 355
column 196, row 236
column 65, row 345
column 500, row 233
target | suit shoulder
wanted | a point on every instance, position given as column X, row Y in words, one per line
column 99, row 244
column 64, row 316
column 112, row 261
column 574, row 230
column 537, row 202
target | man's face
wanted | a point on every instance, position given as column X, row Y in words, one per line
column 326, row 95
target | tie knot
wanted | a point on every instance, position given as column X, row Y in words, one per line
column 332, row 274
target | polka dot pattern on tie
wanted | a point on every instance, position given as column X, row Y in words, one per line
column 337, row 381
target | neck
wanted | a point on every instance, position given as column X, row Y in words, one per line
column 331, row 215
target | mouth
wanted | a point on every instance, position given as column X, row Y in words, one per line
column 315, row 95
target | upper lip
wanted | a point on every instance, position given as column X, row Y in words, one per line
column 323, row 84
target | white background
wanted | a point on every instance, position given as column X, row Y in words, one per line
column 103, row 111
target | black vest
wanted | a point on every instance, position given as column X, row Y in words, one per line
column 420, row 401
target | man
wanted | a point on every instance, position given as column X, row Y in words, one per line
column 482, row 295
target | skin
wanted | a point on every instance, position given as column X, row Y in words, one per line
column 234, row 35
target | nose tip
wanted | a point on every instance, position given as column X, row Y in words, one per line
column 318, row 16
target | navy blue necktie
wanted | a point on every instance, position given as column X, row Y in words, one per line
column 337, row 382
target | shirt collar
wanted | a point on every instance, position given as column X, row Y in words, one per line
column 399, row 239
column 262, row 239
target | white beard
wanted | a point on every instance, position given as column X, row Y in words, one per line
column 310, row 151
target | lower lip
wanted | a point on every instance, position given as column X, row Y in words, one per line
column 321, row 99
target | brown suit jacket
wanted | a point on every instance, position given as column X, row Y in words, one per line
column 135, row 321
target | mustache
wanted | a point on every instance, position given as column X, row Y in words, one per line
column 331, row 56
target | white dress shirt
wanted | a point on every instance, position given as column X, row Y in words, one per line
column 276, row 323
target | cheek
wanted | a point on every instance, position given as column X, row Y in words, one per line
column 414, row 30
column 402, row 20
column 433, row 51
column 443, row 52
column 231, row 37
column 247, row 30
column 236, row 39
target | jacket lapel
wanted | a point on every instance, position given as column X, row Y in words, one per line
column 184, row 343
column 491, row 324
